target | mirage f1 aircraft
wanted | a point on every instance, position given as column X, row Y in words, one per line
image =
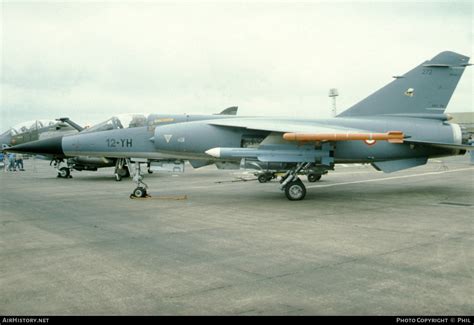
column 399, row 126
column 64, row 164
column 92, row 163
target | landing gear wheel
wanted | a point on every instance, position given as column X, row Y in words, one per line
column 295, row 190
column 123, row 172
column 139, row 192
column 118, row 178
column 262, row 178
column 314, row 177
column 64, row 172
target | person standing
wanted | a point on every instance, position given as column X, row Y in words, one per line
column 5, row 162
column 19, row 162
column 11, row 162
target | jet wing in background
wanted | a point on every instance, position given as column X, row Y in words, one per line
column 229, row 111
column 442, row 145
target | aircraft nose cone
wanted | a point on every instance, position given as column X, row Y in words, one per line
column 51, row 146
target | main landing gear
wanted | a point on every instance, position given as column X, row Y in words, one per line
column 292, row 185
column 295, row 190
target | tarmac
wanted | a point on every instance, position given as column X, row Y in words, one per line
column 217, row 242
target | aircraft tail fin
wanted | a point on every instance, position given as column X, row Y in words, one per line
column 229, row 111
column 423, row 91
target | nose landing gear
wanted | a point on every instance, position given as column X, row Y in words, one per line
column 141, row 190
column 63, row 172
column 121, row 170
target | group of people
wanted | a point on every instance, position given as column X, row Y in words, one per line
column 13, row 162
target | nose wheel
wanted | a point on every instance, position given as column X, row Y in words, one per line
column 141, row 189
column 64, row 172
column 139, row 192
column 121, row 170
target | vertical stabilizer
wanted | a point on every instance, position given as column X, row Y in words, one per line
column 422, row 91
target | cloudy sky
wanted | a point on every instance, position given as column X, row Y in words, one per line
column 89, row 60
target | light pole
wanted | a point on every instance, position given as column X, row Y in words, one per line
column 333, row 93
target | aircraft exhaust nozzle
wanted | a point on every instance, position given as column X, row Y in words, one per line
column 391, row 136
column 50, row 146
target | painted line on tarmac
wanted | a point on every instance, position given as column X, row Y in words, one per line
column 391, row 178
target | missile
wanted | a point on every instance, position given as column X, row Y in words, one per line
column 269, row 155
column 391, row 136
column 233, row 152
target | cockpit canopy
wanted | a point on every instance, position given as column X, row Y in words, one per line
column 121, row 121
column 29, row 126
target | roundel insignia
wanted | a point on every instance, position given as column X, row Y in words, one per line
column 410, row 92
column 370, row 142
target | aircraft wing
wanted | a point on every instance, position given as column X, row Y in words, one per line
column 282, row 125
column 442, row 145
column 301, row 131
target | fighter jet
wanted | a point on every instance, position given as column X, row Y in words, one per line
column 35, row 130
column 66, row 163
column 46, row 129
column 399, row 126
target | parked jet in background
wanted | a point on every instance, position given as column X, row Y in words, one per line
column 35, row 130
column 64, row 164
column 399, row 126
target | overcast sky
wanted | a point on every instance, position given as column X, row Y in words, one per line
column 90, row 60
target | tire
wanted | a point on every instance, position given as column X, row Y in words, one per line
column 295, row 190
column 314, row 177
column 123, row 172
column 139, row 192
column 118, row 178
column 262, row 178
column 64, row 172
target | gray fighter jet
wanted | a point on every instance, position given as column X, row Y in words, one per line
column 66, row 163
column 45, row 129
column 35, row 130
column 399, row 126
